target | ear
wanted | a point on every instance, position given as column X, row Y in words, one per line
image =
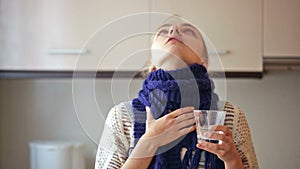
column 152, row 69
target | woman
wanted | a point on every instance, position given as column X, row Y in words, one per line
column 157, row 129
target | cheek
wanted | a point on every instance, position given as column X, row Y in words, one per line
column 194, row 44
column 157, row 43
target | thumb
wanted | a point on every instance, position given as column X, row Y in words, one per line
column 149, row 114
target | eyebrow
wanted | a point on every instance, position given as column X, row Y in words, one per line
column 187, row 24
column 164, row 25
column 184, row 24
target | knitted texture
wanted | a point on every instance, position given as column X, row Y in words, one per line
column 117, row 137
column 166, row 91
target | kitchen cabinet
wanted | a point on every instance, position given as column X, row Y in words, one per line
column 43, row 35
column 232, row 26
column 281, row 28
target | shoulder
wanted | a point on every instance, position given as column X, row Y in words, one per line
column 115, row 140
column 231, row 114
column 233, row 111
column 236, row 120
column 119, row 115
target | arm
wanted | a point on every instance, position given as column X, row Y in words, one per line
column 113, row 145
column 114, row 142
column 244, row 142
column 158, row 133
column 141, row 155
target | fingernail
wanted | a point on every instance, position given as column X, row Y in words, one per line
column 193, row 128
column 201, row 142
column 206, row 134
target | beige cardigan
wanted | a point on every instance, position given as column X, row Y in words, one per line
column 117, row 137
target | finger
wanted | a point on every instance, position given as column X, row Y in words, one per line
column 210, row 147
column 222, row 128
column 185, row 116
column 180, row 111
column 217, row 136
column 149, row 114
column 186, row 130
column 186, row 123
column 220, row 150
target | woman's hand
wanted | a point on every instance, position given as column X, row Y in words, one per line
column 160, row 132
column 225, row 150
column 169, row 127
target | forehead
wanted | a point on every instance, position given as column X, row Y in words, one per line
column 177, row 21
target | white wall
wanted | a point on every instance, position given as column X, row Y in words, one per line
column 271, row 105
column 43, row 109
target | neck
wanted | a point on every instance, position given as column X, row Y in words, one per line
column 174, row 63
column 171, row 62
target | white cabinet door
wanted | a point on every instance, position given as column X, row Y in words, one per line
column 47, row 34
column 232, row 25
column 282, row 28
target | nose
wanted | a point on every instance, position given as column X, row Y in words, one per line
column 173, row 30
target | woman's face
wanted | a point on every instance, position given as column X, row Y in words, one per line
column 177, row 44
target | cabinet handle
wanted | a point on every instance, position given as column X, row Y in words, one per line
column 85, row 51
column 219, row 52
column 67, row 51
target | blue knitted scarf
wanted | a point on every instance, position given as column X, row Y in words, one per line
column 166, row 91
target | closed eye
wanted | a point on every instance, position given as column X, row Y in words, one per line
column 162, row 32
column 188, row 31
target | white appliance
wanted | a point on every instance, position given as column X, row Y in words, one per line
column 56, row 155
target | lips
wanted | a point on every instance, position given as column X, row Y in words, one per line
column 173, row 38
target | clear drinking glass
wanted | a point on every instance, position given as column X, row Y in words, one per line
column 205, row 119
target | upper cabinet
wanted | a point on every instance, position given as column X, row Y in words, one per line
column 282, row 28
column 233, row 26
column 68, row 34
column 105, row 35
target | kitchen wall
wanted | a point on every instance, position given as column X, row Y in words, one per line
column 43, row 109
